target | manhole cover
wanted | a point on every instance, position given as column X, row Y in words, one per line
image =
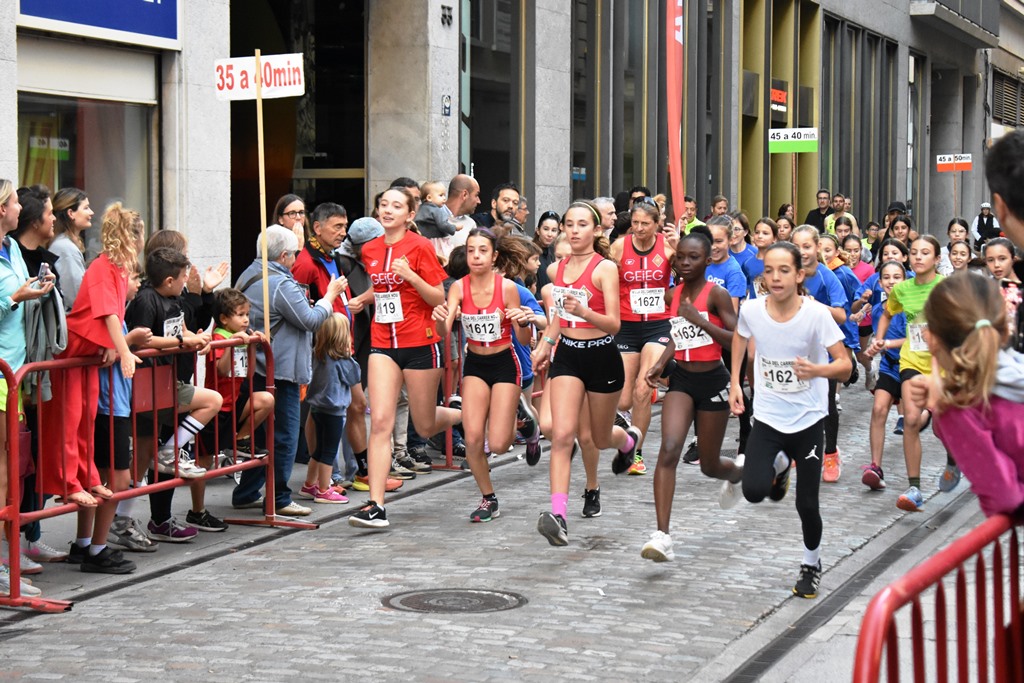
column 447, row 600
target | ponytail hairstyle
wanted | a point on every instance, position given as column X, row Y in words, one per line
column 1000, row 242
column 33, row 206
column 742, row 219
column 851, row 255
column 893, row 242
column 601, row 244
column 815, row 236
column 511, row 253
column 936, row 247
column 68, row 199
column 119, row 231
column 967, row 316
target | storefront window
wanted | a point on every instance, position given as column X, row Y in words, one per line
column 102, row 147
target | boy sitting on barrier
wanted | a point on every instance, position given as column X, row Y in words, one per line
column 227, row 373
column 158, row 307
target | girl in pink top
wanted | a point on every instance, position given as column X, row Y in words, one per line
column 978, row 405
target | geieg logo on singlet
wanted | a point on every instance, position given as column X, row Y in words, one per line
column 385, row 279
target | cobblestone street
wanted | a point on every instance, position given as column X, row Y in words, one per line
column 259, row 604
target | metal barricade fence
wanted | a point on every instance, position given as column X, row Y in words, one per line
column 154, row 391
column 992, row 552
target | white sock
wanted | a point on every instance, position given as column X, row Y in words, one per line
column 812, row 557
column 781, row 462
column 83, row 542
column 124, row 507
column 95, row 550
column 187, row 430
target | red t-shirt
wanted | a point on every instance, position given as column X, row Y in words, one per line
column 103, row 292
column 402, row 319
column 227, row 387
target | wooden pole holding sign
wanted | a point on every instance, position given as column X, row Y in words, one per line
column 256, row 78
column 954, row 163
column 263, row 194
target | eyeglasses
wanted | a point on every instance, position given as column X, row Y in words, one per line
column 644, row 200
column 294, row 214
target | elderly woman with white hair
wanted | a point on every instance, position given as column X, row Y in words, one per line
column 292, row 323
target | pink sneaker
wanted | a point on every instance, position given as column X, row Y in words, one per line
column 307, row 492
column 330, row 496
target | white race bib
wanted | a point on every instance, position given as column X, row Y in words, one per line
column 482, row 327
column 388, row 307
column 647, row 301
column 883, row 296
column 558, row 294
column 686, row 335
column 240, row 361
column 174, row 326
column 780, row 376
column 915, row 333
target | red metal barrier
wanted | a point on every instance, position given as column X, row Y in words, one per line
column 13, row 518
column 995, row 622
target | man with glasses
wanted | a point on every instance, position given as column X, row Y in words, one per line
column 816, row 217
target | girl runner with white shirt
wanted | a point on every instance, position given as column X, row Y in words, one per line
column 794, row 337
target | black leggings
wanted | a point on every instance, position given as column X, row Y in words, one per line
column 747, row 406
column 832, row 419
column 759, row 471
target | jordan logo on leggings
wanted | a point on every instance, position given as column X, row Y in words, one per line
column 813, row 454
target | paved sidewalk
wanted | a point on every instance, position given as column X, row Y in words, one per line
column 259, row 604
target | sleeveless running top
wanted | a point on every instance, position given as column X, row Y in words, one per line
column 643, row 280
column 486, row 326
column 693, row 343
column 583, row 289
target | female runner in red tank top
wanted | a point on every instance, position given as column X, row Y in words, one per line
column 698, row 386
column 404, row 343
column 645, row 262
column 491, row 377
column 586, row 362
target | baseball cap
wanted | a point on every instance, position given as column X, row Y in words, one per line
column 364, row 229
column 897, row 206
column 986, row 205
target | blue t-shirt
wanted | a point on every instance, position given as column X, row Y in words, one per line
column 897, row 330
column 825, row 288
column 728, row 274
column 850, row 284
column 526, row 298
column 753, row 269
column 749, row 252
column 122, row 389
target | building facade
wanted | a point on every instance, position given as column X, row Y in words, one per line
column 564, row 97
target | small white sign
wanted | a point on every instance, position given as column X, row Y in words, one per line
column 283, row 76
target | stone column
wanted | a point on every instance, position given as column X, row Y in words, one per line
column 196, row 127
column 550, row 147
column 412, row 67
column 9, row 91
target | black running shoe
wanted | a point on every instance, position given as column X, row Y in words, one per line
column 691, row 455
column 77, row 554
column 780, row 485
column 108, row 561
column 624, row 459
column 592, row 502
column 533, row 452
column 372, row 516
column 576, row 450
column 204, row 521
column 807, row 583
column 553, row 528
column 621, row 421
column 485, row 511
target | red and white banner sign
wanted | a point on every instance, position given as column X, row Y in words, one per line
column 674, row 26
column 945, row 163
column 283, row 76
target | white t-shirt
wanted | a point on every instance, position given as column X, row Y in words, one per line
column 781, row 400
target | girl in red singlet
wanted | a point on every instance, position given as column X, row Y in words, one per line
column 698, row 386
column 488, row 304
column 586, row 362
column 405, row 346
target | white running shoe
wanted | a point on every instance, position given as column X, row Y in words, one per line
column 187, row 468
column 659, row 548
column 731, row 493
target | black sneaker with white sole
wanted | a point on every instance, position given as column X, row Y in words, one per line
column 691, row 455
column 204, row 521
column 486, row 510
column 108, row 561
column 371, row 516
column 553, row 528
column 592, row 502
column 780, row 485
column 807, row 583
